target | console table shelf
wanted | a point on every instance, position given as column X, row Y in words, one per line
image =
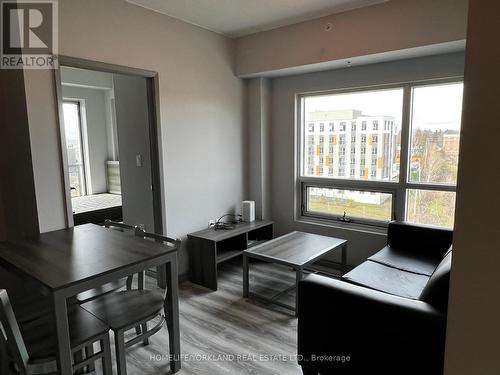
column 209, row 247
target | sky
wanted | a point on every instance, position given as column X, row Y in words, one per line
column 71, row 121
column 434, row 107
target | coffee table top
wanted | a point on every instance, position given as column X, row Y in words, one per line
column 296, row 249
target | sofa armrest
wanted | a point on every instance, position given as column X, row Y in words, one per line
column 370, row 327
column 425, row 240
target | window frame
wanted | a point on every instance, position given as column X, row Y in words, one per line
column 398, row 189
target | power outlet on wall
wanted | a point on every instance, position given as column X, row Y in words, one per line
column 210, row 223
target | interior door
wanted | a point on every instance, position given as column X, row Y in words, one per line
column 132, row 124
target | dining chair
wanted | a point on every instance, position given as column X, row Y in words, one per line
column 114, row 285
column 33, row 347
column 125, row 310
column 111, row 287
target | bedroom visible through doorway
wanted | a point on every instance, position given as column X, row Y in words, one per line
column 110, row 147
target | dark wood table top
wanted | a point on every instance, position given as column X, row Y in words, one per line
column 222, row 234
column 296, row 249
column 64, row 257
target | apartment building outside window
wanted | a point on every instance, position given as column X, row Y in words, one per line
column 413, row 154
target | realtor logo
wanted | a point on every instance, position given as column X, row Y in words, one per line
column 29, row 34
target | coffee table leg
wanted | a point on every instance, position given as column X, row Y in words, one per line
column 245, row 276
column 298, row 277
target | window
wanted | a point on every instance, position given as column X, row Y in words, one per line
column 413, row 180
column 321, row 127
column 328, row 202
column 321, row 139
column 330, row 126
column 311, row 128
column 74, row 148
column 434, row 147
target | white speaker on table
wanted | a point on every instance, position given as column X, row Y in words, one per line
column 248, row 211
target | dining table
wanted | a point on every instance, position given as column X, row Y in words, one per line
column 66, row 262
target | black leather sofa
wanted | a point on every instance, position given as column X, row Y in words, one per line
column 386, row 316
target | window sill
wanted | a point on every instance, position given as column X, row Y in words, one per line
column 355, row 227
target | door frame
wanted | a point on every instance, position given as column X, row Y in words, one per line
column 154, row 128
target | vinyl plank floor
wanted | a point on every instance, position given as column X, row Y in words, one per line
column 222, row 333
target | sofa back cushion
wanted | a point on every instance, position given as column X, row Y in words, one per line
column 437, row 288
column 420, row 239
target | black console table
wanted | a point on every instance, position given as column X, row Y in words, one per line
column 210, row 247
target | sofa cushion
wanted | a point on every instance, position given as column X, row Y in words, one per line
column 406, row 261
column 426, row 240
column 437, row 289
column 387, row 279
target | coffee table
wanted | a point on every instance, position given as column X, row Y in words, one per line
column 296, row 250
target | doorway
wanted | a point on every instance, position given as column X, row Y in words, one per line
column 110, row 149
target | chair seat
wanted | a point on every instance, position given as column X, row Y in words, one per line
column 97, row 292
column 40, row 337
column 123, row 309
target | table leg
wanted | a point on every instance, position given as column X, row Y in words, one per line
column 161, row 277
column 62, row 333
column 344, row 259
column 172, row 314
column 298, row 277
column 245, row 277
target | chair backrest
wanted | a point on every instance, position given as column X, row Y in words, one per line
column 11, row 330
column 157, row 237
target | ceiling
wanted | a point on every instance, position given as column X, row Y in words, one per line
column 235, row 18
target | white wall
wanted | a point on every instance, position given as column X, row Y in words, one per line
column 390, row 26
column 87, row 78
column 361, row 244
column 97, row 138
column 201, row 109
